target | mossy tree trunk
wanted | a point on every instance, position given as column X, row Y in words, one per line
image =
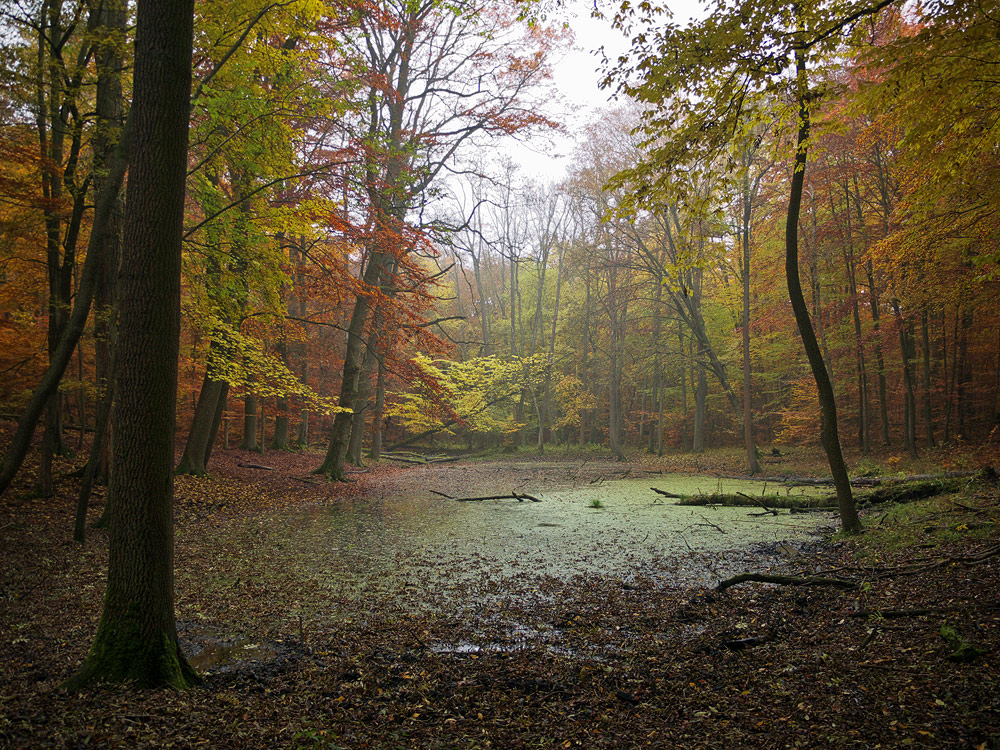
column 136, row 639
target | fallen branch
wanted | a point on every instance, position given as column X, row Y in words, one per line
column 741, row 500
column 894, row 614
column 772, row 511
column 784, row 581
column 513, row 495
column 256, row 466
column 709, row 523
column 817, row 509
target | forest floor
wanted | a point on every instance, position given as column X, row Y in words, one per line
column 592, row 661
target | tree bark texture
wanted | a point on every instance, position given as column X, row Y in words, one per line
column 136, row 639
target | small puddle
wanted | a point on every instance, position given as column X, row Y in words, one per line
column 208, row 654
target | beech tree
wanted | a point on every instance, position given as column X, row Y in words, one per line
column 136, row 638
column 442, row 75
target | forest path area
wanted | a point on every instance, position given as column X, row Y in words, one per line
column 423, row 641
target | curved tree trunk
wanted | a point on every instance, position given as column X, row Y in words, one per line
column 828, row 405
column 136, row 639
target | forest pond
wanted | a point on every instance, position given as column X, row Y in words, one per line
column 398, row 544
column 415, row 551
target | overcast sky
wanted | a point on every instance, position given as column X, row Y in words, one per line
column 576, row 76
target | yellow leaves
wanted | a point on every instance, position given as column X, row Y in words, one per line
column 242, row 361
column 572, row 400
column 477, row 393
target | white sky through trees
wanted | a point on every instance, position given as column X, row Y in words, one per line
column 576, row 78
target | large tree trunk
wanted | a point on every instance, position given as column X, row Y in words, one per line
column 279, row 439
column 110, row 107
column 379, row 415
column 369, row 364
column 828, row 405
column 136, row 639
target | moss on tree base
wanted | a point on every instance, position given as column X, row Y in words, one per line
column 133, row 657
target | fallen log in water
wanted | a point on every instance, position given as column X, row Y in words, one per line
column 519, row 496
column 667, row 494
column 769, row 502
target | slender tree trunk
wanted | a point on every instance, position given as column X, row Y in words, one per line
column 547, row 403
column 700, row 396
column 92, row 467
column 964, row 375
column 301, row 348
column 909, row 396
column 926, row 376
column 136, row 639
column 952, row 380
column 873, row 295
column 584, row 364
column 99, row 239
column 828, row 405
column 864, row 414
column 655, row 444
column 379, row 416
column 333, row 463
column 748, row 441
column 682, row 371
column 615, row 406
column 110, row 108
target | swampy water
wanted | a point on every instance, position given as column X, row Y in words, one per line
column 412, row 551
column 419, row 542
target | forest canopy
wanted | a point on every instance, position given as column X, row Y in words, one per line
column 363, row 267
